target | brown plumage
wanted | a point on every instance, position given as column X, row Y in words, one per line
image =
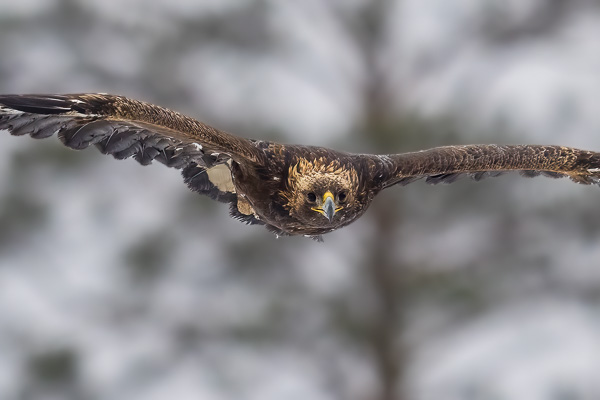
column 291, row 189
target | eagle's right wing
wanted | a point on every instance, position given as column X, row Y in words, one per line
column 446, row 164
column 129, row 128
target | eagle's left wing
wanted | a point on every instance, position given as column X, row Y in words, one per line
column 446, row 164
column 126, row 128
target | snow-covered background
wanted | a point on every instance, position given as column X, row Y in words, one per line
column 116, row 282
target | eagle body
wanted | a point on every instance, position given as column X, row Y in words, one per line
column 266, row 192
column 290, row 189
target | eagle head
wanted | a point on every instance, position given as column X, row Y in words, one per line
column 323, row 195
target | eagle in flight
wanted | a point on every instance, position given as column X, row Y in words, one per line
column 290, row 189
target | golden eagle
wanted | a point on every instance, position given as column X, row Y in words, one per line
column 291, row 189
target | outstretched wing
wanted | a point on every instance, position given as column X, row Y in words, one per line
column 127, row 128
column 446, row 164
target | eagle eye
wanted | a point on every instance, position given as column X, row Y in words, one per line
column 311, row 197
column 342, row 196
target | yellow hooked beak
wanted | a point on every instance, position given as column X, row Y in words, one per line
column 328, row 207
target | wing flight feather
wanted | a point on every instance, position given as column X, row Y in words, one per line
column 447, row 164
column 128, row 128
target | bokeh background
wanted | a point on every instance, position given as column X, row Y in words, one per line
column 116, row 282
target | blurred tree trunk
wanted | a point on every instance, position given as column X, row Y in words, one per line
column 381, row 268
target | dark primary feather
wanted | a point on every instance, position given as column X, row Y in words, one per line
column 40, row 104
column 264, row 182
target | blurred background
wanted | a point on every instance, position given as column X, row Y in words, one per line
column 116, row 282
